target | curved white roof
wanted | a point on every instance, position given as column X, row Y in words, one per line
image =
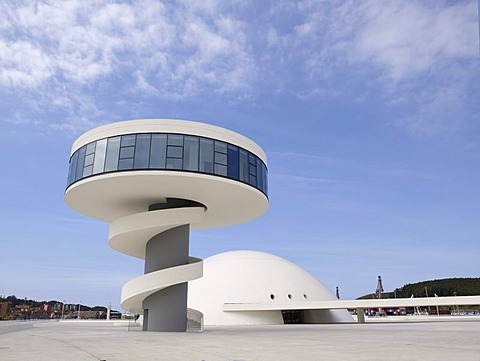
column 169, row 126
column 111, row 196
column 253, row 277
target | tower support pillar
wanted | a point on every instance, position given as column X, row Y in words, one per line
column 166, row 310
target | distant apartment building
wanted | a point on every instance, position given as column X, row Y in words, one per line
column 4, row 308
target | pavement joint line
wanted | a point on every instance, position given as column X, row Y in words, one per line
column 71, row 345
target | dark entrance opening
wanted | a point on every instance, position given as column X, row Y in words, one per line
column 292, row 316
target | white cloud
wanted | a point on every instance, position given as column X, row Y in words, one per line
column 84, row 41
column 411, row 38
column 403, row 38
column 143, row 86
column 23, row 65
column 170, row 51
column 420, row 57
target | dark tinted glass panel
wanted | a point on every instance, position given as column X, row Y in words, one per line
column 220, row 158
column 251, row 158
column 87, row 171
column 220, row 147
column 88, row 160
column 127, row 152
column 174, row 163
column 158, row 151
column 100, row 153
column 221, row 169
column 174, row 152
column 233, row 165
column 265, row 179
column 128, row 140
column 243, row 165
column 252, row 169
column 190, row 153
column 206, row 155
column 259, row 175
column 125, row 164
column 73, row 168
column 69, row 177
column 113, row 150
column 142, row 151
column 81, row 159
column 90, row 148
column 175, row 139
column 253, row 180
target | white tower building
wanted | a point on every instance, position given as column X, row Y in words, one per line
column 153, row 180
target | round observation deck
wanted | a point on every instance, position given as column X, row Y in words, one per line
column 122, row 168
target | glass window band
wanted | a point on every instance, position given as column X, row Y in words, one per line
column 161, row 151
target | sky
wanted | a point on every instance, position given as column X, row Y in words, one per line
column 368, row 111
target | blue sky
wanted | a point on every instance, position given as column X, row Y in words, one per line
column 368, row 111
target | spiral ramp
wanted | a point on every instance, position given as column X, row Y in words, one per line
column 130, row 234
column 136, row 290
column 166, row 272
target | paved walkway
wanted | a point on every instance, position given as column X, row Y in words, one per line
column 459, row 340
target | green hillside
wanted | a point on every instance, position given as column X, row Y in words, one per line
column 442, row 288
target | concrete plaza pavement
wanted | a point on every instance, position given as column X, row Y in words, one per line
column 453, row 339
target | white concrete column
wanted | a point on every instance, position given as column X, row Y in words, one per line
column 166, row 310
column 360, row 315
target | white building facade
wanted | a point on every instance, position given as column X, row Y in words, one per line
column 250, row 277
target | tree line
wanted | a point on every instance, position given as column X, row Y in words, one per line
column 14, row 301
column 441, row 288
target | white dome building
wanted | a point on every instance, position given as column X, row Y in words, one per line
column 260, row 278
